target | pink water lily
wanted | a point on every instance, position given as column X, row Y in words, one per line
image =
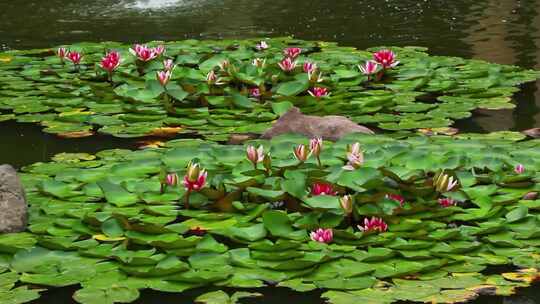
column 292, row 52
column 322, row 189
column 168, row 64
column 159, row 50
column 143, row 52
column 171, row 179
column 287, row 64
column 259, row 62
column 301, row 153
column 261, row 46
column 374, row 224
column 163, row 77
column 74, row 57
column 369, row 68
column 386, row 58
column 396, row 197
column 111, row 61
column 255, row 92
column 213, row 79
column 61, row 53
column 318, row 92
column 446, row 202
column 519, row 169
column 309, row 67
column 322, row 235
column 255, row 155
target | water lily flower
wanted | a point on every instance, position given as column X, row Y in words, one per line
column 143, row 52
column 259, row 62
column 171, row 179
column 301, row 153
column 213, row 79
column 322, row 189
column 446, row 202
column 159, row 50
column 255, row 92
column 261, row 46
column 74, row 57
column 163, row 77
column 346, row 203
column 287, row 64
column 168, row 64
column 315, row 77
column 110, row 62
column 396, row 197
column 443, row 182
column 255, row 155
column 309, row 67
column 292, row 52
column 519, row 169
column 369, row 68
column 386, row 58
column 355, row 157
column 318, row 92
column 373, row 224
column 61, row 53
column 195, row 178
column 322, row 235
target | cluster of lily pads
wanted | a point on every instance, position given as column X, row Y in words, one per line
column 215, row 88
column 367, row 218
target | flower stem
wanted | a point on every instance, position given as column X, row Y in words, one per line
column 319, row 161
column 186, row 202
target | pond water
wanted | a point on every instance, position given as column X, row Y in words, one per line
column 501, row 31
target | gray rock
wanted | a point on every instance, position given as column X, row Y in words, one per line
column 328, row 127
column 13, row 207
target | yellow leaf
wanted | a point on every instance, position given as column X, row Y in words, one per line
column 104, row 238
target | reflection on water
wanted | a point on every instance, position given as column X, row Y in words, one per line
column 154, row 4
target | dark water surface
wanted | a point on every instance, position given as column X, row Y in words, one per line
column 501, row 31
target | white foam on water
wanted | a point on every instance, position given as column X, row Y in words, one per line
column 157, row 4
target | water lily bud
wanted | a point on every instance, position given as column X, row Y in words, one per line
column 301, row 153
column 519, row 169
column 446, row 202
column 255, row 155
column 267, row 162
column 315, row 146
column 171, row 179
column 193, row 172
column 346, row 203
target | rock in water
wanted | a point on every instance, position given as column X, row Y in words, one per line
column 13, row 207
column 328, row 127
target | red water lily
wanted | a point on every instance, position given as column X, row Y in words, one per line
column 386, row 58
column 111, row 61
column 292, row 52
column 446, row 202
column 322, row 189
column 318, row 92
column 287, row 64
column 74, row 57
column 396, row 197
